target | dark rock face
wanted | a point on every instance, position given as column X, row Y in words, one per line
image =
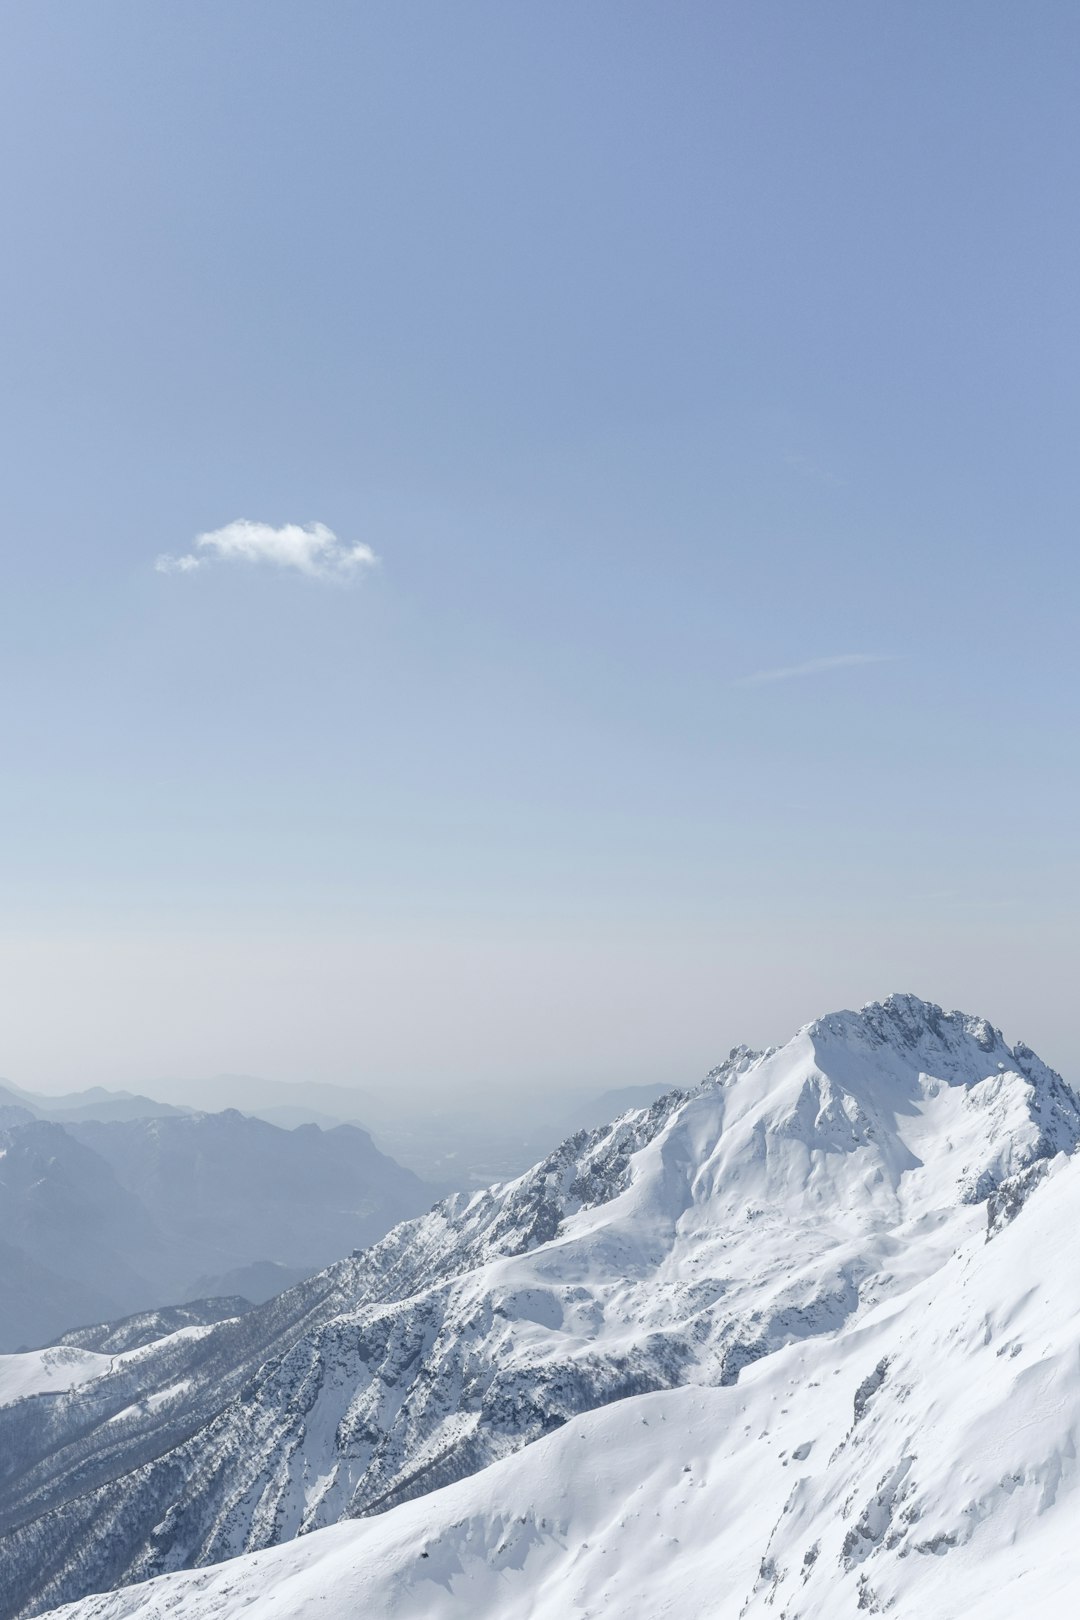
column 869, row 1388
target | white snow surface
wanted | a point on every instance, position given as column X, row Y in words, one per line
column 64, row 1367
column 37, row 1372
column 849, row 1260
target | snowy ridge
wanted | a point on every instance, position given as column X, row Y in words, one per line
column 923, row 1462
column 785, row 1220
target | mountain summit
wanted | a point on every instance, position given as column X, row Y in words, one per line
column 800, row 1220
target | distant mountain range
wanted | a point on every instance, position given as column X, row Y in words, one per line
column 105, row 1211
column 103, row 1217
column 450, row 1147
column 800, row 1341
column 94, row 1103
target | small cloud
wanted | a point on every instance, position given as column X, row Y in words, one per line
column 311, row 549
column 814, row 666
column 176, row 565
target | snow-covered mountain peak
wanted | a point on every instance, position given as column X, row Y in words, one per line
column 897, row 1113
column 906, row 1037
column 951, row 1045
column 956, row 1091
column 798, row 1194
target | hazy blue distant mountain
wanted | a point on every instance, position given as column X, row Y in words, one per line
column 14, row 1106
column 64, row 1209
column 313, row 1100
column 13, row 1114
column 446, row 1147
column 38, row 1305
column 450, row 1148
column 290, row 1115
column 94, row 1103
column 467, row 1145
column 104, row 1218
column 244, row 1189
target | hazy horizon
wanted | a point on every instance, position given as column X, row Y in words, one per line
column 521, row 1090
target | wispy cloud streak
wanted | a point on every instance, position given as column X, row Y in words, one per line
column 813, row 666
column 310, row 549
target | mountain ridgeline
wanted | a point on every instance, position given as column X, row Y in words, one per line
column 103, row 1218
column 795, row 1211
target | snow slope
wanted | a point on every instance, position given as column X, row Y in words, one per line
column 923, row 1461
column 67, row 1367
column 705, row 1285
column 32, row 1372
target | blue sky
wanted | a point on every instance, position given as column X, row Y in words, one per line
column 650, row 349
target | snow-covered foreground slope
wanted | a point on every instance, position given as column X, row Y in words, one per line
column 923, row 1461
column 704, row 1285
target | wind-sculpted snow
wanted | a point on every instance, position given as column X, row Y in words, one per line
column 794, row 1197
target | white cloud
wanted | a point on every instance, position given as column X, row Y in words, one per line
column 814, row 666
column 311, row 549
column 176, row 565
